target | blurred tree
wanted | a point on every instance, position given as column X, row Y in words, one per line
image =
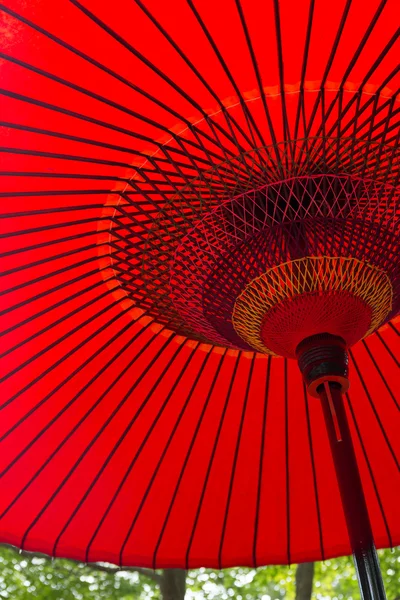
column 26, row 576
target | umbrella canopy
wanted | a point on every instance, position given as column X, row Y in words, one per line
column 161, row 163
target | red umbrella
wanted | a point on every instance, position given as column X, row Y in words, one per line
column 193, row 195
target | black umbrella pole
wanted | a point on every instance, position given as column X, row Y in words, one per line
column 351, row 491
column 323, row 361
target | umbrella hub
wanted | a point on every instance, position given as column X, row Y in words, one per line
column 323, row 359
column 257, row 260
column 309, row 296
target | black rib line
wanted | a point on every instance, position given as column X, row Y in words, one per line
column 357, row 97
column 234, row 463
column 148, row 63
column 27, row 194
column 52, row 306
column 366, row 105
column 53, row 175
column 111, row 454
column 66, row 379
column 55, row 343
column 47, row 243
column 314, row 472
column 328, row 66
column 260, row 86
column 215, row 445
column 76, row 115
column 46, row 276
column 391, row 394
column 387, row 348
column 115, row 75
column 75, row 398
column 371, row 473
column 49, row 211
column 132, row 463
column 261, row 463
column 50, row 290
column 228, row 118
column 393, row 326
column 106, row 125
column 300, row 106
column 70, row 157
column 55, row 226
column 110, row 103
column 374, row 410
column 247, row 113
column 286, row 128
column 187, row 457
column 211, row 123
column 195, row 130
column 51, row 258
column 93, row 441
column 358, row 52
column 72, row 313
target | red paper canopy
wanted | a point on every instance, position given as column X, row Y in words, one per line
column 125, row 437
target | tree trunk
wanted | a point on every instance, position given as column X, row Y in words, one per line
column 304, row 581
column 173, row 584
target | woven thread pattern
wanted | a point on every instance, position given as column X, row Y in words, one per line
column 305, row 276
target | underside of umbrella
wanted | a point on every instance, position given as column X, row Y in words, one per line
column 195, row 198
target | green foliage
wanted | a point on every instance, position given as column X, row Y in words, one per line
column 23, row 577
column 26, row 577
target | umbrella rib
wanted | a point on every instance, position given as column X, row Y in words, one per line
column 147, row 62
column 61, row 286
column 125, row 81
column 314, row 474
column 51, row 307
column 62, row 240
column 44, row 193
column 55, row 418
column 62, row 175
column 381, row 374
column 357, row 54
column 81, row 263
column 228, row 118
column 70, row 376
column 52, row 257
column 368, row 395
column 60, row 320
column 119, row 107
column 110, row 456
column 287, row 474
column 234, row 463
column 95, row 438
column 115, row 75
column 55, row 226
column 329, row 64
column 133, row 461
column 371, row 473
column 261, row 461
column 69, row 253
column 98, row 122
column 187, row 456
column 307, row 42
column 278, row 30
column 211, row 461
column 256, row 69
column 53, row 155
column 247, row 113
column 387, row 348
column 393, row 327
column 53, row 344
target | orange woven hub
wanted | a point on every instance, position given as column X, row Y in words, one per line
column 303, row 297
